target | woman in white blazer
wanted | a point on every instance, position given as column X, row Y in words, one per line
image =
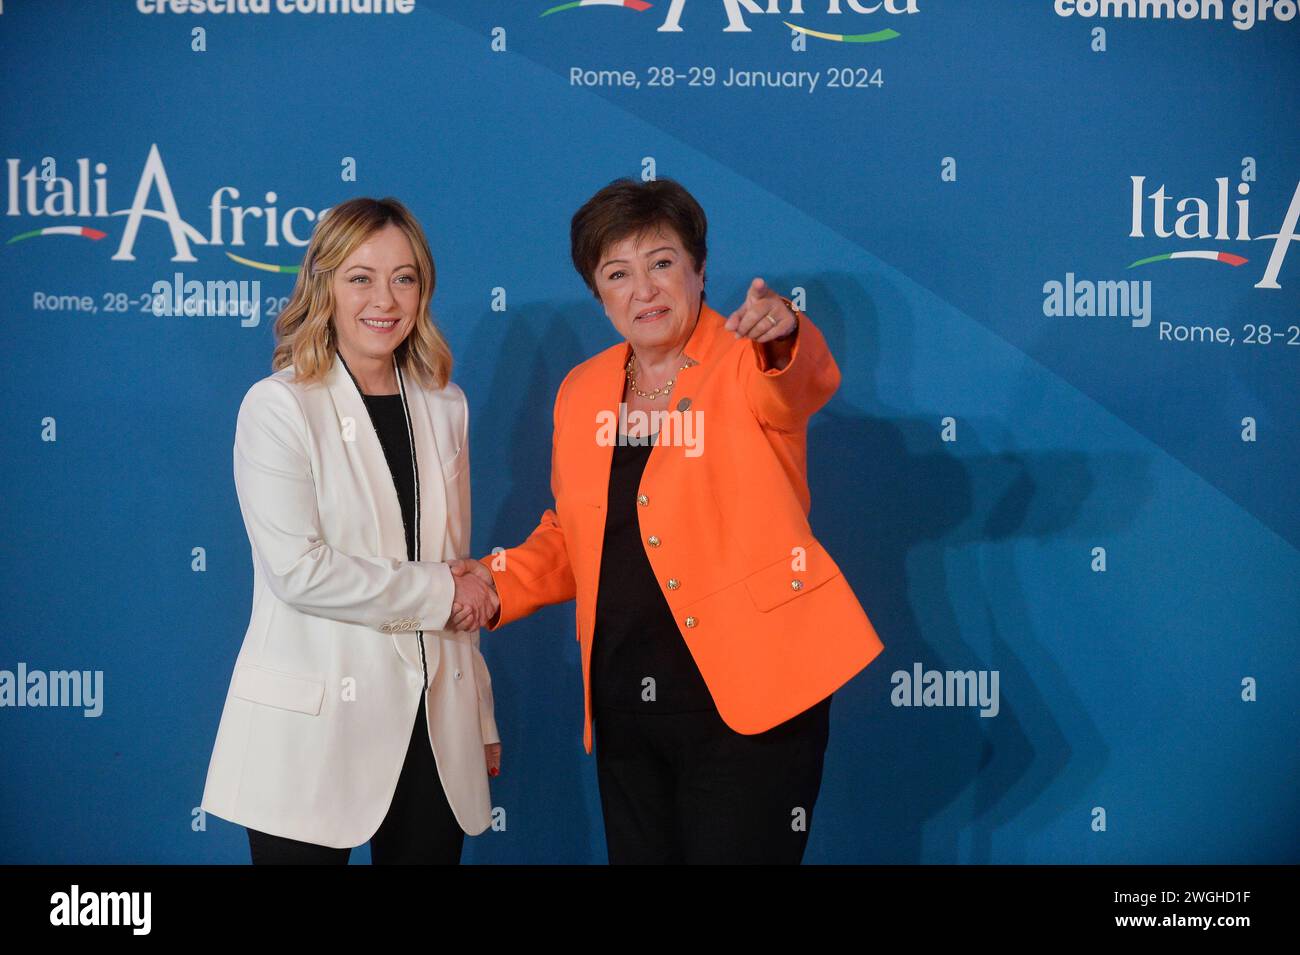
column 354, row 712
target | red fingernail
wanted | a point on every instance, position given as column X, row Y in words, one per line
column 494, row 771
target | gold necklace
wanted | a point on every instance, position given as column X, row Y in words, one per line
column 663, row 390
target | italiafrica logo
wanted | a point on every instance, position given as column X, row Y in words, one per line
column 46, row 190
column 1160, row 215
column 639, row 5
column 736, row 9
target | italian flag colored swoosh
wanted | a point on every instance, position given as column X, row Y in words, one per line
column 84, row 231
column 639, row 5
column 1228, row 257
column 876, row 37
column 266, row 266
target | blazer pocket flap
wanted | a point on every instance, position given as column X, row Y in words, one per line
column 791, row 577
column 274, row 688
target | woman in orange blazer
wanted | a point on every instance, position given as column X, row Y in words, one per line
column 714, row 627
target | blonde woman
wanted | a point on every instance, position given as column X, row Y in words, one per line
column 355, row 712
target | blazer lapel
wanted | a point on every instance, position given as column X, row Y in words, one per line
column 708, row 339
column 589, row 404
column 366, row 456
column 431, row 488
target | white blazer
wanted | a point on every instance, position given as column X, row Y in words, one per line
column 344, row 628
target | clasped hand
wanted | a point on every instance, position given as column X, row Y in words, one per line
column 475, row 602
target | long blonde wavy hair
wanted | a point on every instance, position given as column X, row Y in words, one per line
column 304, row 332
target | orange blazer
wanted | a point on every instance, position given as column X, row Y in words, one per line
column 767, row 615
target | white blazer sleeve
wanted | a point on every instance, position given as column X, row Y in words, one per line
column 277, row 496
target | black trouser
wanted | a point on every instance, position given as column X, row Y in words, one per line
column 686, row 788
column 419, row 829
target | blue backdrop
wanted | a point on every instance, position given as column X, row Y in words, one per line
column 1087, row 487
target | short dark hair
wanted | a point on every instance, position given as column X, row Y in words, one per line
column 627, row 207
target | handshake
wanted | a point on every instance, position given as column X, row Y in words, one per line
column 475, row 602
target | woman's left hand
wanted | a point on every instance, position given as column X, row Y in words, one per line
column 492, row 753
column 763, row 316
